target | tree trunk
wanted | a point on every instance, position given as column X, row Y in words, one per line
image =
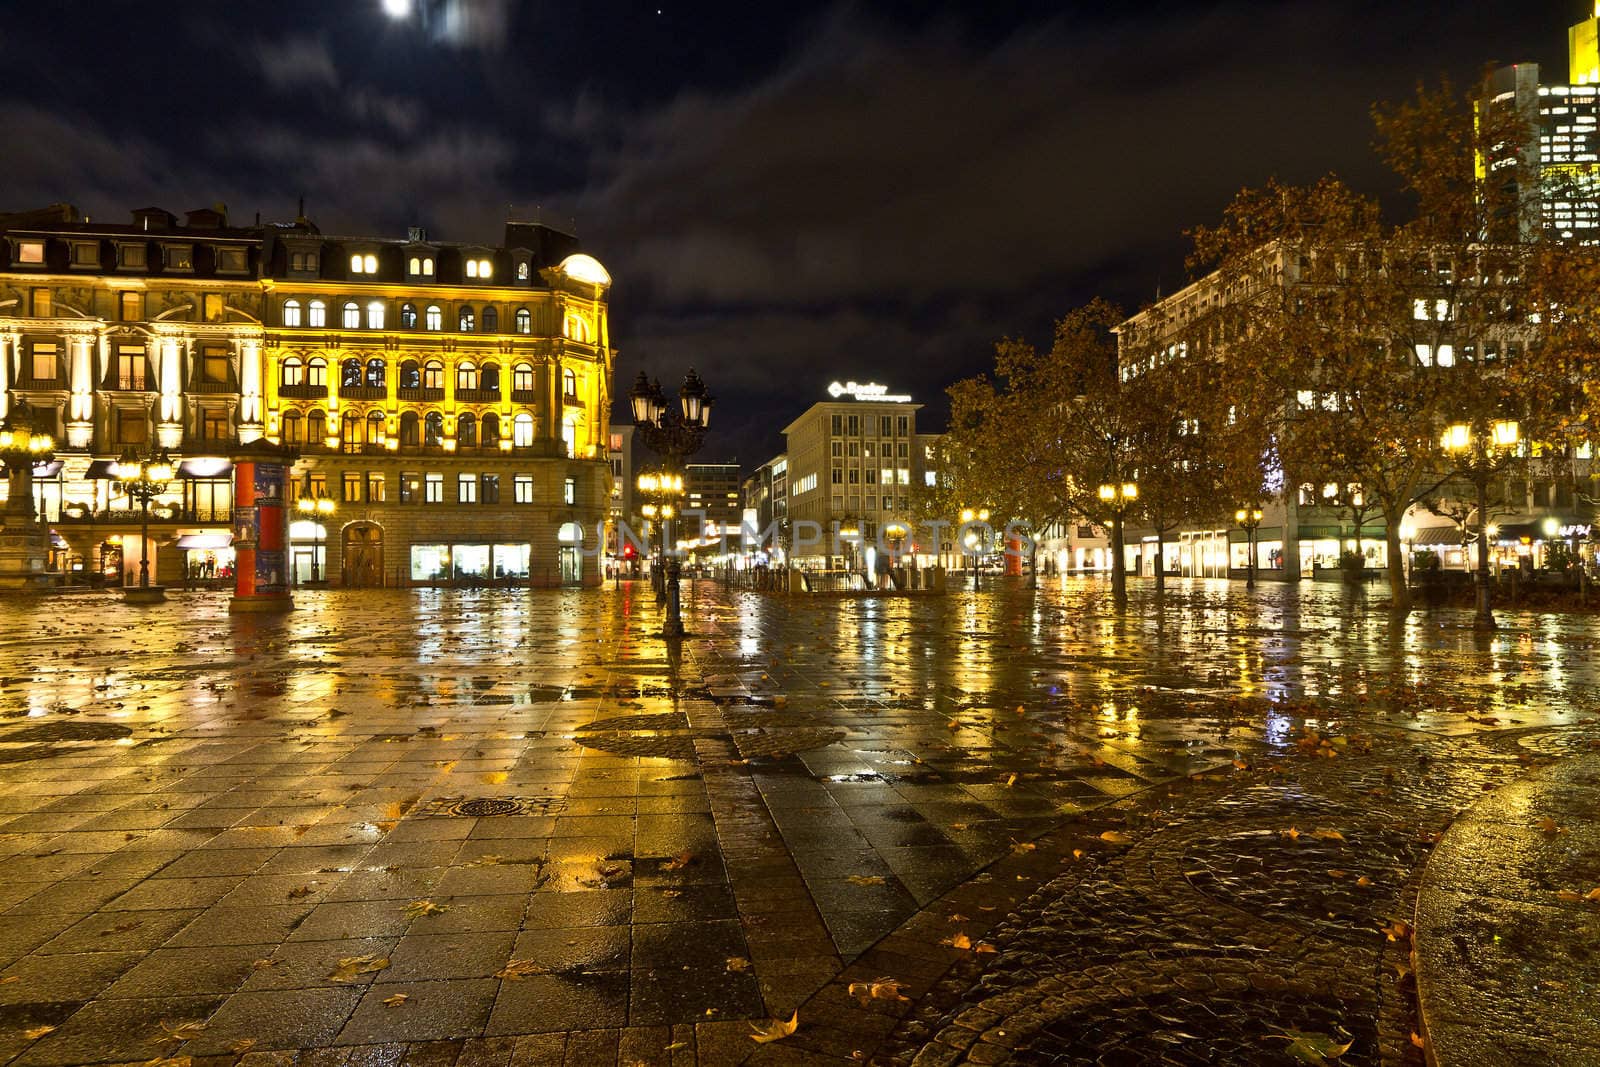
column 1119, row 573
column 1399, row 593
column 1161, row 561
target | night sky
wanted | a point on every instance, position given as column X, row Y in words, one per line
column 785, row 194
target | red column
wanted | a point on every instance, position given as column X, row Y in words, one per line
column 260, row 529
column 1013, row 557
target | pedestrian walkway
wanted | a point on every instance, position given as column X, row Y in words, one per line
column 1508, row 925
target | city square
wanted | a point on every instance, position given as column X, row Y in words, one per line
column 492, row 827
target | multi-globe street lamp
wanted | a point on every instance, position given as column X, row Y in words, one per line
column 1118, row 497
column 22, row 447
column 972, row 542
column 1250, row 519
column 143, row 478
column 660, row 490
column 1480, row 453
column 672, row 432
column 315, row 506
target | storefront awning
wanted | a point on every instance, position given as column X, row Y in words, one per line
column 205, row 467
column 205, row 540
column 48, row 470
column 100, row 470
column 1437, row 535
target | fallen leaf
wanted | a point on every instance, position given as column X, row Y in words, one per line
column 178, row 1033
column 37, row 1032
column 241, row 1046
column 1077, row 853
column 1023, row 846
column 517, row 970
column 958, row 918
column 1549, row 826
column 675, row 1046
column 300, row 891
column 1568, row 895
column 881, row 989
column 351, row 966
column 984, row 946
column 678, row 862
column 1241, row 765
column 1312, row 1047
column 396, row 1000
column 1116, row 837
column 1593, row 894
column 1416, row 1039
column 418, row 908
column 1322, row 833
column 776, row 1030
column 1338, row 874
column 866, row 879
column 8, row 979
column 1397, row 930
column 738, row 964
column 1363, row 881
column 261, row 965
column 1291, row 833
column 961, row 941
column 1011, row 781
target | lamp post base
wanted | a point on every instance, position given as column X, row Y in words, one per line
column 260, row 604
column 143, row 594
column 24, row 547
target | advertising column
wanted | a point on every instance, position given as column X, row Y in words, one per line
column 260, row 529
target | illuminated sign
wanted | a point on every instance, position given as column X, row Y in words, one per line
column 867, row 391
column 1576, row 530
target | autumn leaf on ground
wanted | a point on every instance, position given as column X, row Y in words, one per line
column 1020, row 847
column 1416, row 1040
column 351, row 966
column 1363, row 881
column 178, row 1033
column 300, row 891
column 776, row 1030
column 1549, row 826
column 517, row 970
column 1312, row 1047
column 1240, row 765
column 396, row 1000
column 487, row 860
column 738, row 964
column 1397, row 930
column 961, row 941
column 241, row 1046
column 1291, row 833
column 1011, row 781
column 263, row 964
column 1322, row 833
column 866, row 879
column 678, row 862
column 881, row 989
column 8, row 979
column 1116, row 837
column 37, row 1032
column 418, row 908
column 1568, row 895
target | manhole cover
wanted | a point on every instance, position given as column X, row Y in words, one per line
column 488, row 807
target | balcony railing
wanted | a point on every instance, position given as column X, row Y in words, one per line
column 203, row 385
column 478, row 396
column 420, row 393
column 363, row 392
column 307, row 392
column 130, row 383
column 158, row 513
column 524, row 396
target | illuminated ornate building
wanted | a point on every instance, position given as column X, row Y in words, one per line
column 451, row 400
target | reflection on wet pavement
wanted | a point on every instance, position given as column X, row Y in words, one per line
column 204, row 815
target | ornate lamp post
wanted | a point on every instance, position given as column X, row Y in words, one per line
column 672, row 432
column 1480, row 453
column 22, row 553
column 315, row 506
column 1118, row 497
column 143, row 478
column 971, row 540
column 1249, row 518
column 660, row 490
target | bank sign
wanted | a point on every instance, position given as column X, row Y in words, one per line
column 867, row 391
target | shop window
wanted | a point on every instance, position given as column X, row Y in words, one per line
column 430, row 563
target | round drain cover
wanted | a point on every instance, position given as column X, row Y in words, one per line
column 487, row 806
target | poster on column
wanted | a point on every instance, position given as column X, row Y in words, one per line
column 269, row 485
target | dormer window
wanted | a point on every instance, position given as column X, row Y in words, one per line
column 522, row 271
column 363, row 263
column 179, row 257
column 30, row 252
column 86, row 254
column 231, row 261
column 132, row 256
column 420, row 266
column 482, row 269
column 305, row 262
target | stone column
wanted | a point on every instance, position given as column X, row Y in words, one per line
column 169, row 431
column 260, row 529
column 80, row 404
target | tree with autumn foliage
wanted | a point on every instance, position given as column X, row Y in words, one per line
column 1352, row 342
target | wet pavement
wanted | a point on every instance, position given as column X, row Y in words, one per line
column 512, row 827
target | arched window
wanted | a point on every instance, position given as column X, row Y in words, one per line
column 408, row 316
column 349, row 373
column 433, row 374
column 352, row 316
column 522, row 430
column 414, row 265
column 375, row 315
column 291, row 312
column 316, row 428
column 435, row 317
column 464, row 324
column 317, row 313
column 410, row 375
column 375, row 433
column 352, row 436
column 375, row 369
column 292, row 372
column 433, row 430
column 293, row 428
column 467, row 430
column 408, row 429
column 576, row 327
column 522, row 271
column 427, row 264
column 491, row 320
column 524, row 321
column 317, row 371
column 489, row 378
column 522, row 378
column 491, row 430
column 466, row 376
column 569, row 383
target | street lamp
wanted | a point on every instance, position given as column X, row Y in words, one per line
column 316, row 507
column 1249, row 518
column 1480, row 454
column 143, row 478
column 672, row 433
column 23, row 555
column 660, row 490
column 1118, row 497
column 971, row 541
